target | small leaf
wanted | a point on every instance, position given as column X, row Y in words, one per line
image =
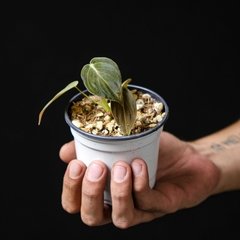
column 102, row 77
column 67, row 88
column 125, row 115
column 103, row 102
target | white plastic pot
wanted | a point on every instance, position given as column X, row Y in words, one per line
column 108, row 149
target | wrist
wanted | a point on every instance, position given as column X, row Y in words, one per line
column 228, row 163
column 223, row 151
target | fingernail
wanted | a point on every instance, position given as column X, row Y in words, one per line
column 119, row 173
column 94, row 172
column 75, row 170
column 137, row 168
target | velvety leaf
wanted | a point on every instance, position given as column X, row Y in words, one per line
column 125, row 114
column 67, row 88
column 102, row 77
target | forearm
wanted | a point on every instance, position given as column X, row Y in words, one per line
column 223, row 148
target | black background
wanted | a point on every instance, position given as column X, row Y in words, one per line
column 189, row 55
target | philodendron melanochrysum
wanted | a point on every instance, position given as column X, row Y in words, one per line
column 102, row 78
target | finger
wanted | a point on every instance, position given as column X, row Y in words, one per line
column 155, row 200
column 72, row 181
column 121, row 193
column 93, row 212
column 67, row 152
column 141, row 187
column 124, row 214
column 144, row 196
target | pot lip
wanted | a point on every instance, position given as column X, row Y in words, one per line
column 119, row 138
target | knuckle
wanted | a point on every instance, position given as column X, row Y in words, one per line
column 90, row 193
column 141, row 185
column 120, row 195
column 70, row 185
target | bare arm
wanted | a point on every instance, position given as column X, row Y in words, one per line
column 223, row 148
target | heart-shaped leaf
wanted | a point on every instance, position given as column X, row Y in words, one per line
column 102, row 77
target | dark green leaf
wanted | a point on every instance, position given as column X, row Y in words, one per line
column 102, row 77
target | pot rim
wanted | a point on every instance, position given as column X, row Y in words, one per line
column 119, row 138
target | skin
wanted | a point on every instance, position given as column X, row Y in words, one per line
column 188, row 173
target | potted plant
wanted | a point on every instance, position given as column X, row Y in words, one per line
column 113, row 120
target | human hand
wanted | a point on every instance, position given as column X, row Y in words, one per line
column 184, row 179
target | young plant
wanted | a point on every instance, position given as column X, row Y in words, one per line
column 102, row 78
